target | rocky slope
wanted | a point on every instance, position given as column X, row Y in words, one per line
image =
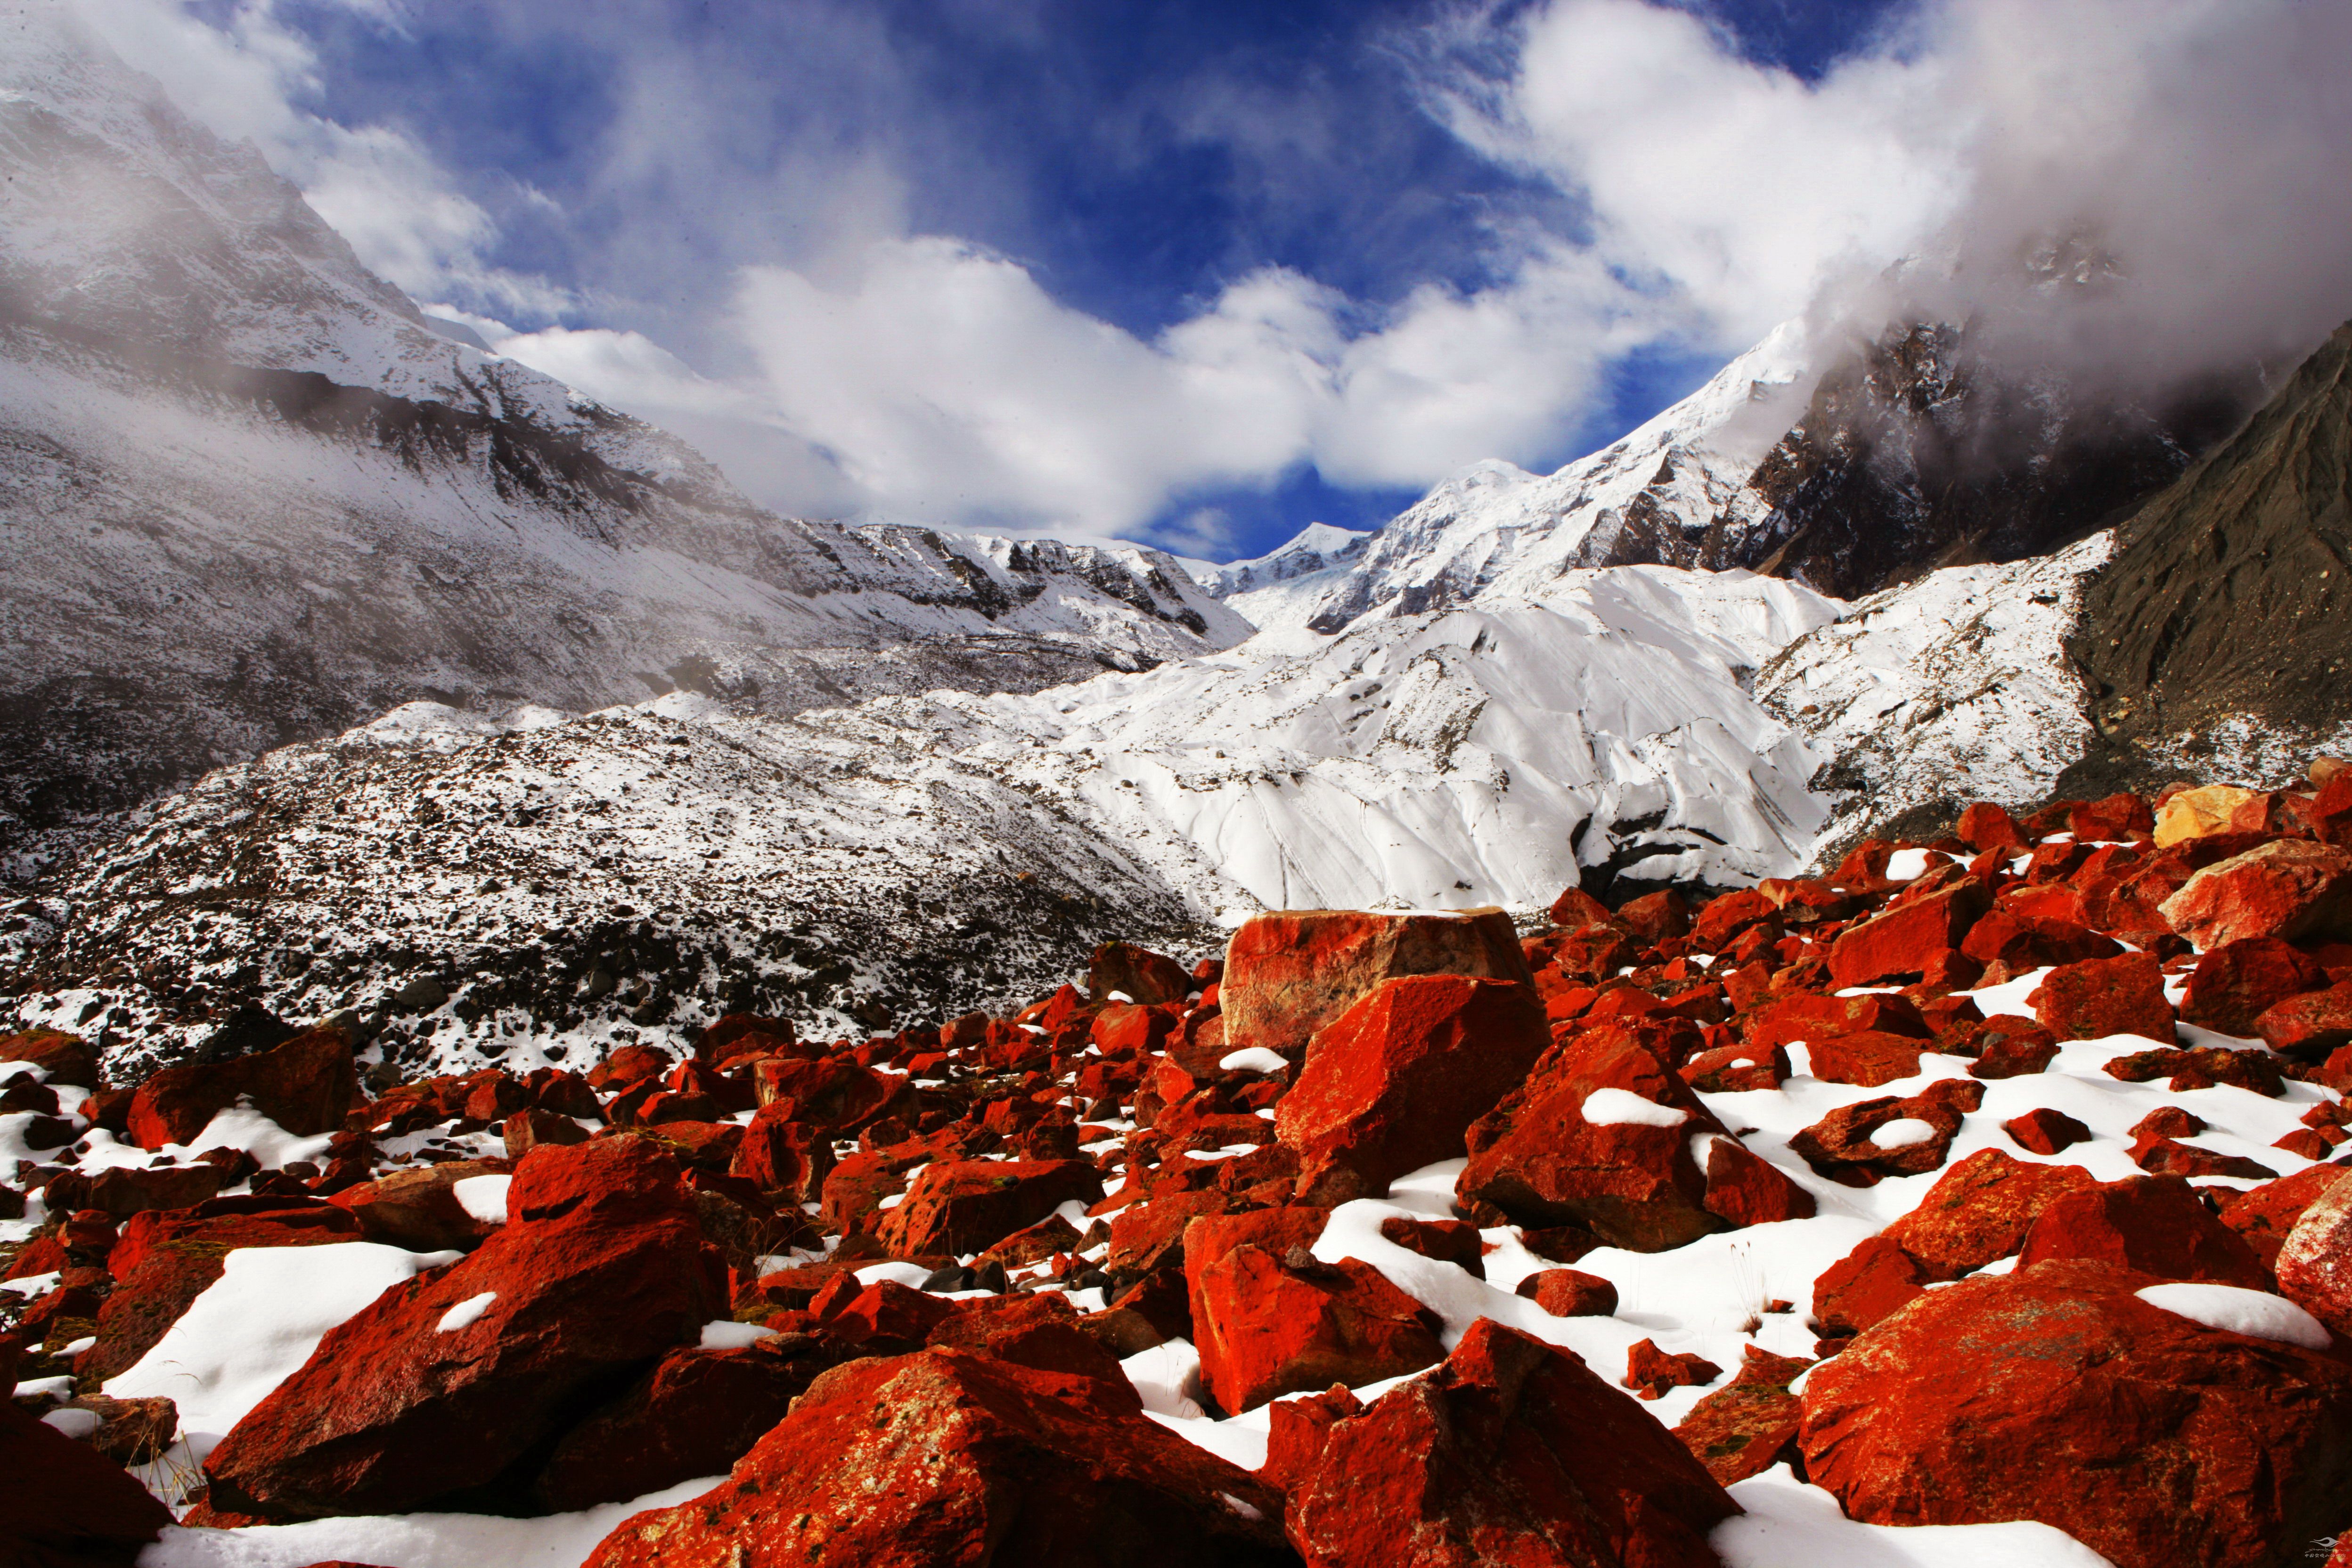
column 246, row 496
column 1993, row 1184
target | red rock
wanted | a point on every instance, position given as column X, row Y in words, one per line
column 2028, row 940
column 1867, row 1059
column 1652, row 1372
column 1734, row 1068
column 1123, row 1029
column 783, row 1156
column 1656, row 917
column 529, row 1129
column 1393, row 1083
column 1268, row 1326
column 1047, row 1334
column 1539, row 1159
column 306, row 1086
column 1142, row 975
column 889, row 1318
column 1575, row 909
column 126, row 1190
column 1569, row 1293
column 1743, row 1189
column 1727, row 916
column 417, row 1208
column 628, row 1067
column 2265, row 1214
column 1850, row 1145
column 951, row 1457
column 2115, row 820
column 1277, row 1230
column 695, row 1414
column 2310, row 1027
column 832, row 1094
column 2103, row 996
column 163, row 1262
column 2287, row 887
column 1803, row 1019
column 2170, row 1157
column 1288, row 974
column 2314, row 1262
column 2045, row 1131
column 1513, row 1453
column 598, row 1269
column 64, row 1504
column 66, row 1059
column 1902, row 940
column 962, row 1206
column 2236, row 982
column 1980, row 1210
column 2011, row 1046
column 2055, row 1394
column 1593, row 953
column 1985, row 827
column 1295, row 1432
column 1749, row 1425
column 1152, row 1235
column 2201, row 1067
column 2154, row 1225
column 728, row 1037
column 1868, row 1285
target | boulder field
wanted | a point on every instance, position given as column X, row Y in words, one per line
column 2000, row 1180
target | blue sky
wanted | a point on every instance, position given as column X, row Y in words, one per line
column 1195, row 273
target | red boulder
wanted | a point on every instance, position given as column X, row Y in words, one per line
column 1393, row 1083
column 2154, row 1225
column 2314, row 1262
column 1267, row 1325
column 1862, row 1143
column 1867, row 1286
column 163, row 1262
column 963, row 1206
column 1743, row 1189
column 306, row 1086
column 1136, row 974
column 2264, row 1215
column 66, row 1505
column 1980, row 1210
column 1653, row 1373
column 2103, row 996
column 2235, row 982
column 1288, row 974
column 2055, row 1393
column 1901, row 940
column 1513, row 1452
column 66, row 1059
column 2311, row 1028
column 442, row 1384
column 1569, row 1293
column 2043, row 1131
column 2287, row 887
column 1749, row 1425
column 951, row 1457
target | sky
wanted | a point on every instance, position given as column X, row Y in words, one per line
column 1198, row 274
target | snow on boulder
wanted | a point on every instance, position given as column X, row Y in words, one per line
column 2153, row 1223
column 1633, row 1184
column 598, row 1269
column 1393, row 1083
column 1289, row 973
column 421, row 1209
column 305, row 1086
column 257, row 1325
column 2057, row 1393
column 2314, row 1262
column 163, row 1262
column 2287, row 887
column 1622, row 1108
column 2257, row 1314
column 947, row 1456
column 1843, row 1145
column 1514, row 1451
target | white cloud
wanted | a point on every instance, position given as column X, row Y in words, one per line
column 250, row 78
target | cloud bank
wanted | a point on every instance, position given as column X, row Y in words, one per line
column 2135, row 189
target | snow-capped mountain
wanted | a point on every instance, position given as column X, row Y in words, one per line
column 247, row 495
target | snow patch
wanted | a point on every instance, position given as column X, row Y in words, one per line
column 466, row 1313
column 483, row 1198
column 2257, row 1314
column 1623, row 1106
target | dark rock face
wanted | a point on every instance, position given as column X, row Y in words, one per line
column 2226, row 598
column 1915, row 453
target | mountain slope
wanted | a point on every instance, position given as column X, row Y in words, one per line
column 246, row 496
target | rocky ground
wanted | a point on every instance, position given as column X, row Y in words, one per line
column 1990, row 1185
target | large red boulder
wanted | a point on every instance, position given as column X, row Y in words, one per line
column 442, row 1385
column 1209, row 1238
column 307, row 1085
column 2056, row 1393
column 1749, row 1425
column 1288, row 974
column 2103, row 997
column 66, row 1505
column 962, row 1206
column 66, row 1059
column 163, row 1262
column 2310, row 1027
column 1393, row 1083
column 832, row 1094
column 1138, row 973
column 2314, row 1262
column 419, row 1209
column 1902, row 940
column 1868, row 1285
column 2236, row 982
column 1513, row 1452
column 2266, row 1215
column 1980, row 1210
column 1268, row 1325
column 1599, row 1137
column 2154, row 1225
column 949, row 1456
column 2287, row 887
column 1743, row 1189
